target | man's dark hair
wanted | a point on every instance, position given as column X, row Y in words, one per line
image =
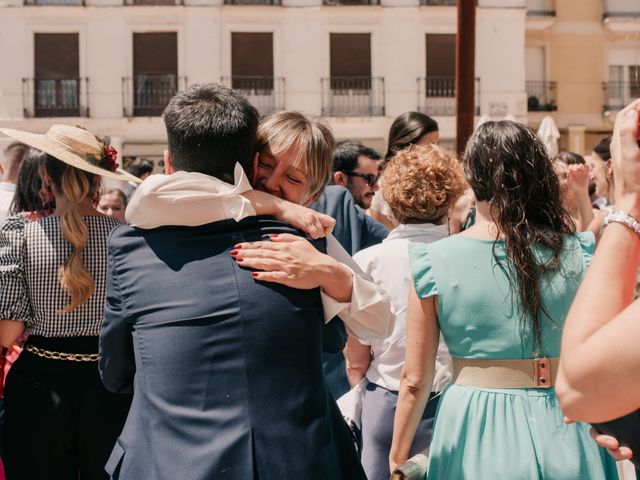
column 346, row 153
column 12, row 159
column 209, row 129
column 139, row 167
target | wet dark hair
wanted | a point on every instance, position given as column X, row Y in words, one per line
column 407, row 129
column 507, row 164
column 27, row 197
column 209, row 129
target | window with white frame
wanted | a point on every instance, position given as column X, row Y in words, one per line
column 623, row 77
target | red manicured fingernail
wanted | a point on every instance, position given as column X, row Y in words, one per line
column 237, row 247
column 254, row 274
column 238, row 259
column 233, row 252
column 273, row 235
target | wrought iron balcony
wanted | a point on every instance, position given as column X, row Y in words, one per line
column 437, row 96
column 621, row 9
column 79, row 3
column 617, row 95
column 353, row 96
column 541, row 96
column 55, row 97
column 439, row 2
column 154, row 2
column 350, row 2
column 252, row 2
column 264, row 93
column 541, row 8
column 148, row 95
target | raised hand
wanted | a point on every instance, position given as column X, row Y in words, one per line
column 578, row 178
column 625, row 156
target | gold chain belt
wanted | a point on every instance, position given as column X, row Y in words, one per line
column 73, row 357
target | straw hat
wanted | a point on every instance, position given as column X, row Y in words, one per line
column 77, row 147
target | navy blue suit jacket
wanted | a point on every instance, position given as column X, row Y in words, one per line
column 226, row 371
column 355, row 230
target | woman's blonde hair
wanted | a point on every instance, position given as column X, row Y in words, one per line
column 420, row 183
column 75, row 185
column 309, row 141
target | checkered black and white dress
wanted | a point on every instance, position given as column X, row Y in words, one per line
column 30, row 255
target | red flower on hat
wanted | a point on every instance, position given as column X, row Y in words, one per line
column 109, row 157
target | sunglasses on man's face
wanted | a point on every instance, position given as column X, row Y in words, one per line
column 370, row 178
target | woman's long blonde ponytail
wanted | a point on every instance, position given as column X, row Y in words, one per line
column 73, row 276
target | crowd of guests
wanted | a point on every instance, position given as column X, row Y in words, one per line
column 465, row 306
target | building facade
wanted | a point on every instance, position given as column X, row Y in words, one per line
column 585, row 61
column 112, row 65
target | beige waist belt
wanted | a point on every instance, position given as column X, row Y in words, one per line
column 534, row 373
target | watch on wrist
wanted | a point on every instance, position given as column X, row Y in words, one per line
column 618, row 216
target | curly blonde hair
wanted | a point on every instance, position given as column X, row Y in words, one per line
column 420, row 183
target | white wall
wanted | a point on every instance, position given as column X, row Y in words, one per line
column 301, row 55
column 500, row 55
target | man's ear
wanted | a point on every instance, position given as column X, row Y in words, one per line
column 254, row 169
column 608, row 169
column 168, row 163
column 340, row 178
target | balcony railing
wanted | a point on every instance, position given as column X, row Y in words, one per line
column 55, row 97
column 541, row 96
column 541, row 8
column 154, row 2
column 148, row 95
column 264, row 93
column 439, row 2
column 350, row 2
column 437, row 96
column 252, row 2
column 54, row 2
column 353, row 96
column 619, row 94
column 621, row 9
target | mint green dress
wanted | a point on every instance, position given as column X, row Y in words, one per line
column 492, row 434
